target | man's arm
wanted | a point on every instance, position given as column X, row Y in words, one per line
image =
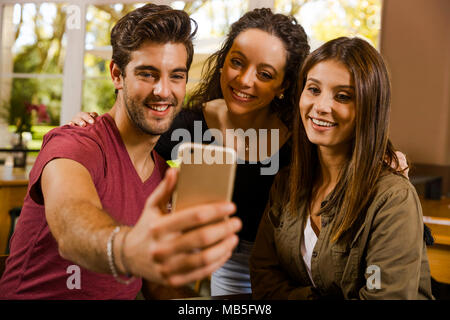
column 74, row 214
column 170, row 249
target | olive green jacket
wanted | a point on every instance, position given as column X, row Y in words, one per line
column 384, row 258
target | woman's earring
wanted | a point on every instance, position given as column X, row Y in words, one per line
column 281, row 96
column 220, row 70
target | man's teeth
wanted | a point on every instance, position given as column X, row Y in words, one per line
column 159, row 108
column 323, row 123
column 241, row 94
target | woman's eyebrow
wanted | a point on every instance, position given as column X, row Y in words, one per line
column 238, row 52
column 345, row 87
column 313, row 80
column 266, row 65
column 342, row 86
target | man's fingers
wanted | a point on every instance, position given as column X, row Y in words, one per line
column 172, row 176
column 182, row 279
column 197, row 238
column 187, row 262
column 194, row 217
column 82, row 118
column 401, row 159
column 402, row 162
column 87, row 116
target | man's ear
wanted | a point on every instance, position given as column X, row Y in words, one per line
column 116, row 75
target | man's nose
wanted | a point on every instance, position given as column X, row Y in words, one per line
column 162, row 88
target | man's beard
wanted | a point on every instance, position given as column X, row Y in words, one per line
column 136, row 112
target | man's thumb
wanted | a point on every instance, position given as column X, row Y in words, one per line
column 160, row 197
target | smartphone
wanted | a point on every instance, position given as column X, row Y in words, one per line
column 206, row 174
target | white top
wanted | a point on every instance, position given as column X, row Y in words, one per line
column 307, row 247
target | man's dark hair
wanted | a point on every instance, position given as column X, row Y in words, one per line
column 156, row 23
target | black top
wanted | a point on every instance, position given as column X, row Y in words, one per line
column 251, row 189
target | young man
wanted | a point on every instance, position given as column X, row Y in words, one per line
column 87, row 219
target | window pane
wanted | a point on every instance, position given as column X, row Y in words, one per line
column 324, row 20
column 100, row 19
column 96, row 63
column 213, row 16
column 34, row 38
column 32, row 51
column 36, row 92
column 98, row 95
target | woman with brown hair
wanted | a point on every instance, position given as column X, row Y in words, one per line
column 341, row 222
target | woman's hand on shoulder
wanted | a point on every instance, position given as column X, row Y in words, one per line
column 404, row 168
column 399, row 165
column 82, row 118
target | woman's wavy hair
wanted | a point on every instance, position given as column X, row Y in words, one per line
column 371, row 151
column 296, row 44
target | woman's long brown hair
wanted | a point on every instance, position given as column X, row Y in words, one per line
column 371, row 151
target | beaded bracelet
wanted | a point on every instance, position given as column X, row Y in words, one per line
column 122, row 257
column 110, row 253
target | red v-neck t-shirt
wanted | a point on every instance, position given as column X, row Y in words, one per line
column 35, row 270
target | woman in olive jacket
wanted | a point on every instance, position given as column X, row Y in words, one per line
column 340, row 222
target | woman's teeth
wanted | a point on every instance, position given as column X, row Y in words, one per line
column 241, row 94
column 323, row 123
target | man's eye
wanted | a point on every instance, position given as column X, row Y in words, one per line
column 179, row 76
column 145, row 74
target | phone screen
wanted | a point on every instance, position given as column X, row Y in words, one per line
column 206, row 175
